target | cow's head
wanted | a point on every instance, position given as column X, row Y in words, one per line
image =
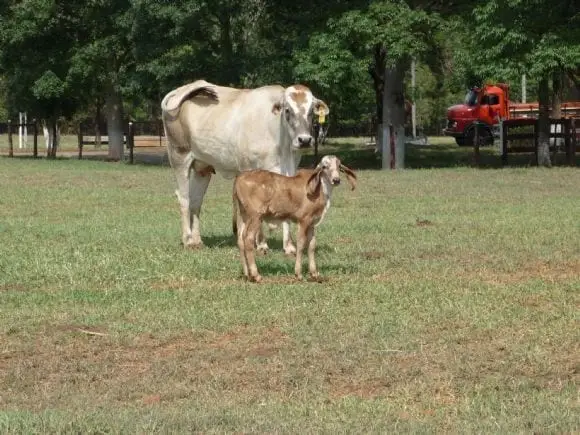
column 296, row 109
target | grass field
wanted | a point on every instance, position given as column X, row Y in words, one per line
column 450, row 304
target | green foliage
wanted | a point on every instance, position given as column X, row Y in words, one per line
column 536, row 37
column 338, row 57
column 62, row 56
column 48, row 87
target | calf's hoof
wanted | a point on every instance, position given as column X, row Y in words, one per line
column 255, row 278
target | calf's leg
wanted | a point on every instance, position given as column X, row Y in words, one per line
column 241, row 229
column 252, row 226
column 311, row 240
column 300, row 242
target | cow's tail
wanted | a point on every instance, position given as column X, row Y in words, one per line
column 171, row 103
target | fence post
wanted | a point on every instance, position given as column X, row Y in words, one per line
column 130, row 143
column 35, row 140
column 10, row 144
column 80, row 139
column 504, row 150
column 573, row 143
column 160, row 130
column 476, row 145
column 537, row 141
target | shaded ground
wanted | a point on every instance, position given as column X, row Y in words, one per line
column 353, row 152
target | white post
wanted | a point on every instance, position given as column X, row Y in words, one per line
column 20, row 117
column 25, row 130
column 413, row 107
column 523, row 88
column 46, row 133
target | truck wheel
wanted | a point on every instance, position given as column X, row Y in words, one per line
column 485, row 136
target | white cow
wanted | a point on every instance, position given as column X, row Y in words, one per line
column 212, row 128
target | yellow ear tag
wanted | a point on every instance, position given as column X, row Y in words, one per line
column 321, row 118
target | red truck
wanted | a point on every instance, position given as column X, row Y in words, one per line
column 484, row 107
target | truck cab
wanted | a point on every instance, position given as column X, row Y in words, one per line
column 480, row 112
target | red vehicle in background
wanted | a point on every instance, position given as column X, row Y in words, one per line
column 484, row 107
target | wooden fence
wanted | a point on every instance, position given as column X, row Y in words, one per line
column 521, row 136
column 136, row 133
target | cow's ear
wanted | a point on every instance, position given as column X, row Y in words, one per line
column 277, row 108
column 320, row 108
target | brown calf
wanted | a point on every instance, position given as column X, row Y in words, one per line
column 260, row 195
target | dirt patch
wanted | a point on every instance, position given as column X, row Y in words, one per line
column 553, row 272
column 13, row 287
column 423, row 223
column 442, row 372
column 65, row 367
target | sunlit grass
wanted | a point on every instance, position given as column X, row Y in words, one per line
column 450, row 305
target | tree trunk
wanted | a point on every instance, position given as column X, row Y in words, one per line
column 394, row 115
column 114, row 108
column 557, row 110
column 51, row 136
column 377, row 72
column 544, row 123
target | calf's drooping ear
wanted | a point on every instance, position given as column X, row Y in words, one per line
column 320, row 108
column 314, row 182
column 350, row 175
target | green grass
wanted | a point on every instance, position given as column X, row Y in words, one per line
column 450, row 305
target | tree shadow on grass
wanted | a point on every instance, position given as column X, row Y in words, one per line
column 440, row 155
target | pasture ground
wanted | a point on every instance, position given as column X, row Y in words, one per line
column 450, row 304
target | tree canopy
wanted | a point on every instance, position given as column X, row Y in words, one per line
column 64, row 59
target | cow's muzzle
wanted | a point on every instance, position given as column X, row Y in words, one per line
column 304, row 140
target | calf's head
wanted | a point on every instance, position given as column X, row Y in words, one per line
column 329, row 169
column 297, row 108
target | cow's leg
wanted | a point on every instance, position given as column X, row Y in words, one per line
column 181, row 164
column 261, row 244
column 287, row 243
column 198, row 182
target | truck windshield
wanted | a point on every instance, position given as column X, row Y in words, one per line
column 471, row 98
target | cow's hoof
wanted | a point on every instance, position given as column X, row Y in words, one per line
column 290, row 251
column 299, row 277
column 262, row 249
column 315, row 278
column 190, row 245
